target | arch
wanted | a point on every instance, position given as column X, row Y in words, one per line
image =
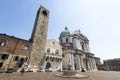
column 57, row 52
column 44, row 13
column 2, row 42
column 47, row 58
column 48, row 65
column 48, row 50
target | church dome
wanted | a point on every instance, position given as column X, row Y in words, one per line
column 65, row 32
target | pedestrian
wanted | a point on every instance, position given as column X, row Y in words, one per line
column 22, row 71
column 82, row 70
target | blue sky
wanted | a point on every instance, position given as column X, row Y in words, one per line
column 99, row 20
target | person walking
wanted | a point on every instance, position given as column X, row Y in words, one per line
column 22, row 71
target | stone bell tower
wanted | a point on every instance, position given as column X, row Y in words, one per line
column 38, row 38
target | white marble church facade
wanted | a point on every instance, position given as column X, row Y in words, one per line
column 76, row 51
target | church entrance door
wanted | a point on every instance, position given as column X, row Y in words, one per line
column 48, row 65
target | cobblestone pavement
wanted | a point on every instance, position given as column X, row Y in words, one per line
column 95, row 75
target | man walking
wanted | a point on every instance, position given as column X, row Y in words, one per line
column 22, row 71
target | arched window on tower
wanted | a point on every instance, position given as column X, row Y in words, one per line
column 44, row 13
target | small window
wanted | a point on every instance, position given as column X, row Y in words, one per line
column 48, row 50
column 53, row 42
column 15, row 58
column 74, row 55
column 2, row 43
column 47, row 58
column 66, row 40
column 1, row 64
column 22, row 60
column 26, row 59
column 41, row 33
column 26, row 47
column 82, row 47
column 5, row 56
column 57, row 52
column 63, row 55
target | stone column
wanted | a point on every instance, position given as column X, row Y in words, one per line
column 94, row 63
column 88, row 65
column 72, row 61
column 82, row 64
column 78, row 61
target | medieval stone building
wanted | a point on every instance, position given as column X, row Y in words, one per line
column 38, row 53
column 53, row 53
column 38, row 38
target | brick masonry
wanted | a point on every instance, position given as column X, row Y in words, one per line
column 13, row 47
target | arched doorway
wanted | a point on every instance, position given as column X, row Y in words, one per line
column 48, row 65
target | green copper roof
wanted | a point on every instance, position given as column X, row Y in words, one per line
column 65, row 32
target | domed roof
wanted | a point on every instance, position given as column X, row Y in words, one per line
column 65, row 32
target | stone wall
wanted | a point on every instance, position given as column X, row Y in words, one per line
column 38, row 38
column 12, row 46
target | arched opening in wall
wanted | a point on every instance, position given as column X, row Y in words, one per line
column 57, row 52
column 2, row 42
column 48, row 65
column 48, row 50
column 44, row 13
column 21, row 62
column 47, row 58
column 16, row 58
column 4, row 56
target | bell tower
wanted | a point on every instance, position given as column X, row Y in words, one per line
column 38, row 38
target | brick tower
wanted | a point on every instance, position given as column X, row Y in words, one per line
column 39, row 36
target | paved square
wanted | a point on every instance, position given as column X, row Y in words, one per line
column 93, row 75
